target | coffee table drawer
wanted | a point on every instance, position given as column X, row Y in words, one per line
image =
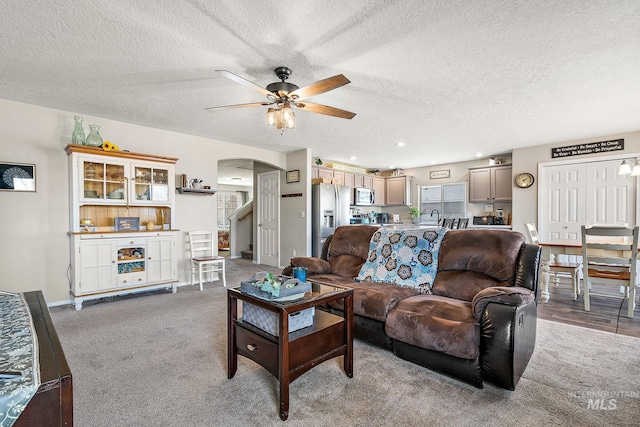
column 257, row 348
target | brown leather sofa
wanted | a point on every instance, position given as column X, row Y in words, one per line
column 478, row 324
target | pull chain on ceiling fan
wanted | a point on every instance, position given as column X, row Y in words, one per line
column 282, row 95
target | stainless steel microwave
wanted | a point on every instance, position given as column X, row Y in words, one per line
column 364, row 197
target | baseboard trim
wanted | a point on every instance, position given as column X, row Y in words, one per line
column 59, row 303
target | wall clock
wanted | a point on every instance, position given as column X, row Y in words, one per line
column 524, row 180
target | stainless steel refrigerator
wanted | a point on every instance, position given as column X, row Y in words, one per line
column 330, row 209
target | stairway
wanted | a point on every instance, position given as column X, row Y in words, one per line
column 247, row 253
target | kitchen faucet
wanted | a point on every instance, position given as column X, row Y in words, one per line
column 438, row 214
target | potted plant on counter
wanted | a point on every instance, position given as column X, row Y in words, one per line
column 415, row 214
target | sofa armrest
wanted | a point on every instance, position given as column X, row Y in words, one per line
column 528, row 268
column 313, row 265
column 507, row 295
column 507, row 341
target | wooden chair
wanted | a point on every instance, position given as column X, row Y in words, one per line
column 448, row 222
column 463, row 223
column 556, row 268
column 609, row 257
column 203, row 256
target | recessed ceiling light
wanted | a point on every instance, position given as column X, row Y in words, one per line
column 479, row 155
column 391, row 167
column 353, row 158
column 400, row 144
column 433, row 162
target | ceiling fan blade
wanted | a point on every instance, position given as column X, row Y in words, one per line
column 247, row 83
column 324, row 109
column 319, row 87
column 253, row 104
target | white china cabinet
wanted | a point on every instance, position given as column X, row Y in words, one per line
column 116, row 184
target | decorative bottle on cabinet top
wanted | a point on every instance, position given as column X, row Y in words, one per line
column 78, row 133
column 94, row 139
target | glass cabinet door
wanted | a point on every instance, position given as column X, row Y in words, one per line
column 101, row 181
column 151, row 184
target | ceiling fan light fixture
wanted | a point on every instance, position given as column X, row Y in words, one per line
column 271, row 119
column 283, row 95
column 288, row 116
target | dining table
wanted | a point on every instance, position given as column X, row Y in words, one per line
column 553, row 248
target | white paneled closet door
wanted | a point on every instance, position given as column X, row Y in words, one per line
column 584, row 193
column 610, row 197
column 563, row 210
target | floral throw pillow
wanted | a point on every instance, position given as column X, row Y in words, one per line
column 407, row 258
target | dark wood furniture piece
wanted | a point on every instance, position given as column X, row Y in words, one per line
column 52, row 405
column 290, row 355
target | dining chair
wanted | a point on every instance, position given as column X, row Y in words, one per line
column 204, row 260
column 463, row 223
column 609, row 257
column 558, row 269
column 448, row 222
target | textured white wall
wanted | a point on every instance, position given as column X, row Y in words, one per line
column 34, row 245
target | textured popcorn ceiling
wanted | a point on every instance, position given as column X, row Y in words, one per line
column 448, row 78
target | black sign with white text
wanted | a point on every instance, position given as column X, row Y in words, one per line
column 591, row 148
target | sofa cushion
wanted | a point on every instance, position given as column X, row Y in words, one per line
column 349, row 248
column 472, row 260
column 407, row 258
column 374, row 300
column 436, row 323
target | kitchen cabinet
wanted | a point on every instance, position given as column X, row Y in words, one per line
column 106, row 185
column 350, row 181
column 334, row 176
column 398, row 190
column 364, row 181
column 490, row 184
column 338, row 177
column 379, row 190
column 325, row 173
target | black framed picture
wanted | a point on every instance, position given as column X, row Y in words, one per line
column 293, row 176
column 17, row 177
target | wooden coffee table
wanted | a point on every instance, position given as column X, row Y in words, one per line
column 291, row 354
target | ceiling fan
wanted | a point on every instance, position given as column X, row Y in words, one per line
column 282, row 95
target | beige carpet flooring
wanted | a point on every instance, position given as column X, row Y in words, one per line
column 160, row 359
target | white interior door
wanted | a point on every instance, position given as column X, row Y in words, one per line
column 563, row 210
column 610, row 197
column 268, row 219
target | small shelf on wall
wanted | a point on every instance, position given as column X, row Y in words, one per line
column 202, row 191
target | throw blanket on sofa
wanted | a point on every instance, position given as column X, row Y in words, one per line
column 407, row 258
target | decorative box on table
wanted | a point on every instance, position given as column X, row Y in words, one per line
column 269, row 321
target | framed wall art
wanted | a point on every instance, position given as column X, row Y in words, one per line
column 293, row 176
column 444, row 173
column 17, row 177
